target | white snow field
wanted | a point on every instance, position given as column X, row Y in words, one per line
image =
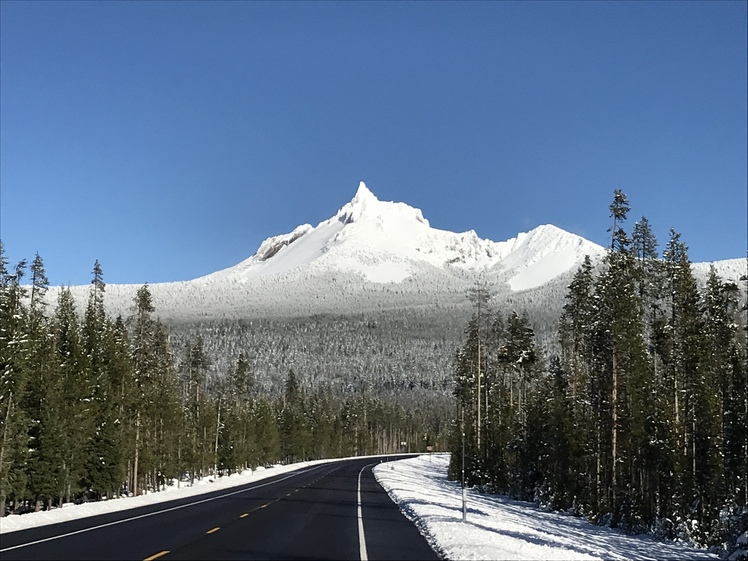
column 496, row 528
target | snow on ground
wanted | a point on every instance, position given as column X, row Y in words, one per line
column 13, row 523
column 496, row 528
column 499, row 528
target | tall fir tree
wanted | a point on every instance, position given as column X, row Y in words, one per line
column 293, row 426
column 14, row 421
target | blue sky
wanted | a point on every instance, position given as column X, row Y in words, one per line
column 168, row 139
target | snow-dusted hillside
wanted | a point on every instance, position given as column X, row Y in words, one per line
column 372, row 256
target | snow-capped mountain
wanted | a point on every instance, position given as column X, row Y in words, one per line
column 388, row 242
column 374, row 256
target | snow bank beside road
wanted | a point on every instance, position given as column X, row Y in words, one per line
column 71, row 511
column 499, row 528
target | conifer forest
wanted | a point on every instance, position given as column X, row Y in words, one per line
column 640, row 421
column 635, row 415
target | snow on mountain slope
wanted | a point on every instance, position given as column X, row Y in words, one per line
column 732, row 269
column 544, row 253
column 371, row 255
column 387, row 242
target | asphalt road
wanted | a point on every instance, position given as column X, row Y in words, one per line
column 330, row 511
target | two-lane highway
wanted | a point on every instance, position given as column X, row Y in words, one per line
column 330, row 511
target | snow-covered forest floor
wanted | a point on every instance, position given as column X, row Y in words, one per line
column 496, row 527
column 500, row 528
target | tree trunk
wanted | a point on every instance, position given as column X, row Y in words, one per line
column 614, row 431
column 3, row 493
column 137, row 456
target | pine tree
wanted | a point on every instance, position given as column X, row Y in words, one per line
column 466, row 366
column 13, row 316
column 268, row 437
column 619, row 209
column 622, row 367
column 554, row 441
column 105, row 464
column 165, row 418
column 144, row 372
column 519, row 358
column 294, row 443
column 479, row 297
column 693, row 405
column 237, row 439
column 194, row 376
column 649, row 271
column 68, row 409
column 39, row 283
column 14, row 421
column 724, row 379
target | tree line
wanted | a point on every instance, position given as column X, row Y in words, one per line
column 95, row 407
column 641, row 420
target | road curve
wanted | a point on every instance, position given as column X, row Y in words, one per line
column 334, row 510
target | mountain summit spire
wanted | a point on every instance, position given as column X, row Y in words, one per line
column 363, row 193
column 353, row 210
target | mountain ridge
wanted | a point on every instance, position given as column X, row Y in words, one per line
column 387, row 242
column 373, row 256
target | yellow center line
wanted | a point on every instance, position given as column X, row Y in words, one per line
column 244, row 515
column 213, row 530
column 159, row 554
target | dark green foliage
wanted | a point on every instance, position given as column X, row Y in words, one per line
column 295, row 436
column 91, row 407
column 641, row 422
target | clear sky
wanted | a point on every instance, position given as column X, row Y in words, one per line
column 168, row 139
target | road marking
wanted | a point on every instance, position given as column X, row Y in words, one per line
column 159, row 554
column 244, row 515
column 361, row 538
column 213, row 530
column 83, row 530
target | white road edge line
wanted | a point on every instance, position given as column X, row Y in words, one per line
column 20, row 545
column 361, row 537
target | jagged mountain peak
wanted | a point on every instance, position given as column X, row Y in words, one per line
column 366, row 206
column 363, row 193
column 387, row 242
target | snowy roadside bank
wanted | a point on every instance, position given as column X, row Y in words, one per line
column 499, row 528
column 14, row 523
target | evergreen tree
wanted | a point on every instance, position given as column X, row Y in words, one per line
column 14, row 422
column 268, row 436
column 144, row 369
column 467, row 380
column 69, row 411
column 519, row 358
column 105, row 459
column 294, row 443
column 644, row 241
column 681, row 359
column 165, row 419
column 619, row 209
column 39, row 283
column 554, row 441
column 41, row 401
column 237, row 439
column 199, row 421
